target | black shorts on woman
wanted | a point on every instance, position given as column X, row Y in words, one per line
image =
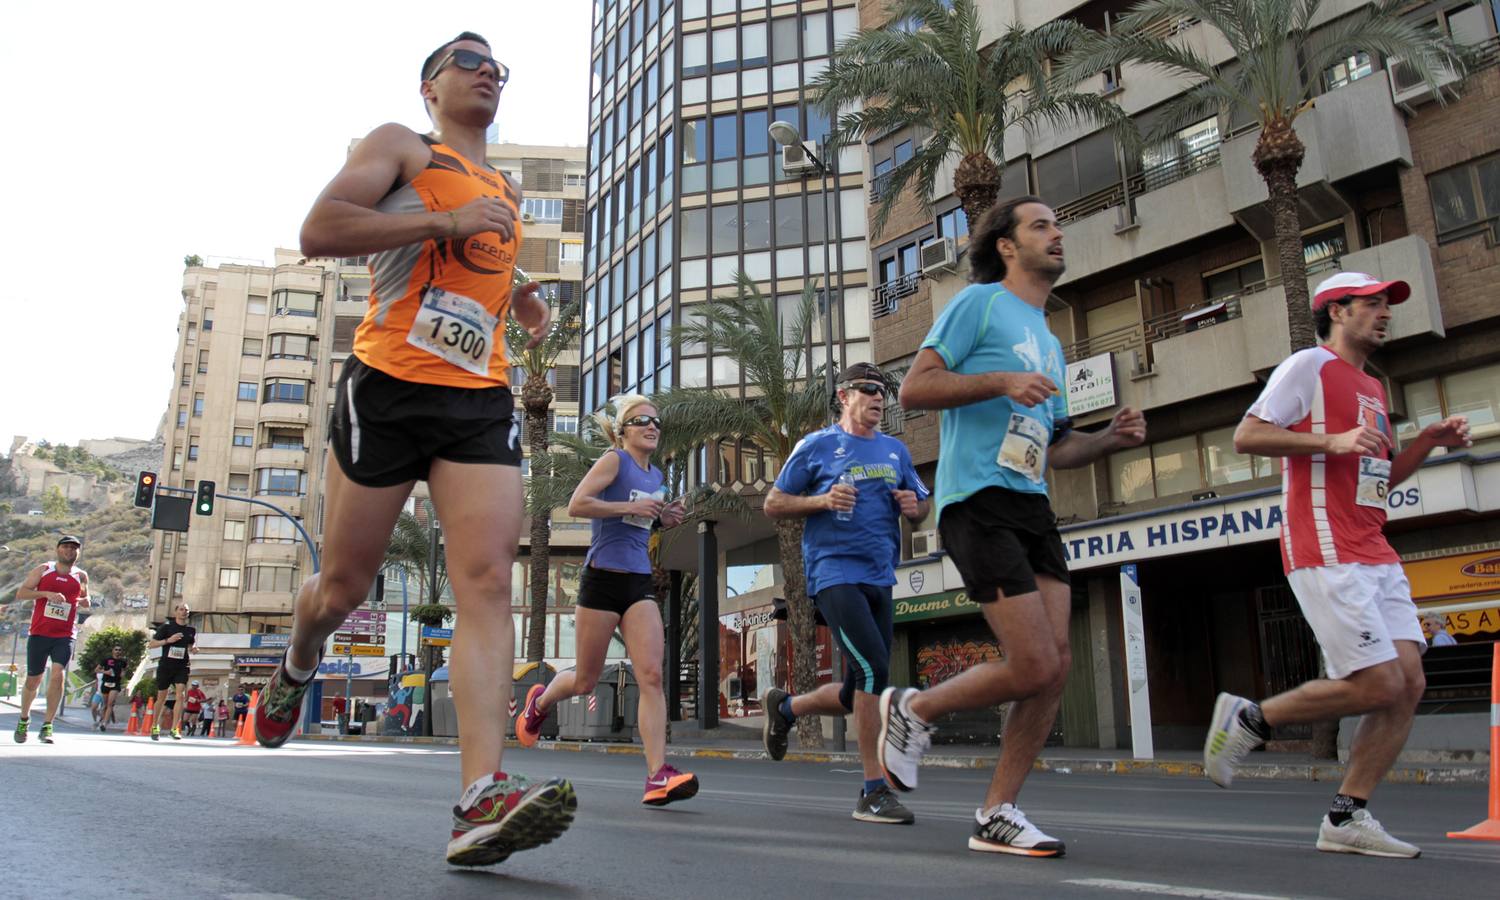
column 614, row 592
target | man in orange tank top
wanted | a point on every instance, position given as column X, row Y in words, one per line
column 425, row 396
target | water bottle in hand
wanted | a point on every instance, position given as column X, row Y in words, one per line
column 846, row 479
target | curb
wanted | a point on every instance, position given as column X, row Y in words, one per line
column 1465, row 774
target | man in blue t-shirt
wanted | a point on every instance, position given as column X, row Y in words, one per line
column 990, row 364
column 851, row 543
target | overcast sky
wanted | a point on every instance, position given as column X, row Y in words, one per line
column 134, row 135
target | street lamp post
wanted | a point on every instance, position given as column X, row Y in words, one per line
column 797, row 152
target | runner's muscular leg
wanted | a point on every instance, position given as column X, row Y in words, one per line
column 642, row 630
column 1382, row 733
column 594, row 628
column 1030, row 719
column 480, row 508
column 357, row 526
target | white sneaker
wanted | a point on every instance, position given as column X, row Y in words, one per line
column 1363, row 834
column 1228, row 740
column 904, row 738
column 1009, row 831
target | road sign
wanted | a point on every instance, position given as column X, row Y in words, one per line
column 348, row 637
column 437, row 637
column 359, row 650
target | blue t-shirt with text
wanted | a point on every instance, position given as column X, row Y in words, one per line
column 865, row 549
column 995, row 443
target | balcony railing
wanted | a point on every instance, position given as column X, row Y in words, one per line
column 888, row 296
column 879, row 185
column 1151, row 178
column 1141, row 335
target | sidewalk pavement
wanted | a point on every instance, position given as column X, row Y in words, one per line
column 735, row 741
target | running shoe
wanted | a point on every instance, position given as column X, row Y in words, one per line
column 46, row 733
column 1009, row 831
column 176, row 734
column 904, row 738
column 510, row 815
column 1363, row 834
column 774, row 732
column 101, row 729
column 280, row 707
column 669, row 785
column 529, row 720
column 881, row 805
column 1229, row 739
column 155, row 733
column 21, row 726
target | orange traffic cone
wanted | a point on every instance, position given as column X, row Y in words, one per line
column 150, row 717
column 1489, row 829
column 134, row 725
column 247, row 735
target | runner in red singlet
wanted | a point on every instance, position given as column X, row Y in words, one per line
column 58, row 589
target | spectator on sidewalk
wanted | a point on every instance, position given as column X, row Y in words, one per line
column 223, row 718
column 341, row 713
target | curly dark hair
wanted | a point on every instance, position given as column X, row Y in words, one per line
column 986, row 266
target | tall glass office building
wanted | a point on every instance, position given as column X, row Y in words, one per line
column 685, row 187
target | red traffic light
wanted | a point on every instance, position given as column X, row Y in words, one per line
column 147, row 479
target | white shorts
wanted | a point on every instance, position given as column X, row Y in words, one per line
column 1357, row 612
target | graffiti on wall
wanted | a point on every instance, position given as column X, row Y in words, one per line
column 941, row 660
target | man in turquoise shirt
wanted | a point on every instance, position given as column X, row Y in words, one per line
column 993, row 368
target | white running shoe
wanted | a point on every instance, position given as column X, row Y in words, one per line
column 1363, row 834
column 1009, row 831
column 904, row 738
column 1228, row 740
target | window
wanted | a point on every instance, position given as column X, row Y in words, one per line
column 187, row 374
column 286, row 390
column 208, row 319
column 1347, row 70
column 239, row 483
column 293, row 346
column 723, row 47
column 567, row 424
column 177, row 580
column 244, row 437
column 295, row 303
column 176, row 459
column 953, row 224
column 234, row 530
column 815, row 35
column 181, row 416
column 255, row 305
column 192, row 332
column 784, row 39
column 192, row 449
column 1233, row 280
column 202, row 362
column 281, row 482
column 726, row 235
column 694, row 54
column 1183, row 465
column 1474, row 393
column 272, row 530
column 248, row 390
column 250, row 347
column 572, row 252
column 543, row 209
column 270, row 578
column 753, row 44
column 229, row 578
column 197, row 406
column 726, row 133
column 1466, row 199
column 1324, row 245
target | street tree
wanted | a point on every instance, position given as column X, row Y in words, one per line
column 54, row 504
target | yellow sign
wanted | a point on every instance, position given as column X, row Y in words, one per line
column 436, row 642
column 359, row 650
column 1454, row 576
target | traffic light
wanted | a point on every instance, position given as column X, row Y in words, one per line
column 145, row 489
column 204, row 505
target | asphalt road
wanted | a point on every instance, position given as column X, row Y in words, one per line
column 95, row 815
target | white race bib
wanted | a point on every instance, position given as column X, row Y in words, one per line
column 176, row 652
column 1024, row 448
column 641, row 521
column 1374, row 481
column 57, row 609
column 454, row 328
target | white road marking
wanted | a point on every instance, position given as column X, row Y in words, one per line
column 1169, row 890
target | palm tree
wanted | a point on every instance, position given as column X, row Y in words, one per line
column 929, row 69
column 1281, row 56
column 410, row 549
column 536, row 399
column 792, row 401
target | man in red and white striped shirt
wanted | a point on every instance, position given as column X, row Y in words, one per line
column 1328, row 421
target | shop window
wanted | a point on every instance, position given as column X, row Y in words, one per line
column 1466, row 200
column 1474, row 393
column 1234, row 279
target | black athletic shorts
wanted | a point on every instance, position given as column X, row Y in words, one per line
column 107, row 686
column 386, row 431
column 860, row 618
column 39, row 649
column 168, row 675
column 613, row 592
column 1002, row 539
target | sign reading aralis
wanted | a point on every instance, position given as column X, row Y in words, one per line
column 1091, row 384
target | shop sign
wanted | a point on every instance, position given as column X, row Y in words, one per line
column 358, row 650
column 747, row 620
column 934, row 606
column 1454, row 576
column 1257, row 517
column 270, row 641
column 256, row 661
column 343, row 668
column 1091, row 384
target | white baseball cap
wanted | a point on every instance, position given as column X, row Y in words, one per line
column 1358, row 284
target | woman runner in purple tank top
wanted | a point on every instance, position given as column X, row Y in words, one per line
column 623, row 495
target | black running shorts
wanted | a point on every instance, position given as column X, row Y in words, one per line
column 860, row 618
column 168, row 674
column 386, row 431
column 39, row 649
column 1001, row 540
column 613, row 592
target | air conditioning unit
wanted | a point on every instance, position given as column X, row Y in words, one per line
column 924, row 543
column 1407, row 86
column 939, row 255
column 797, row 161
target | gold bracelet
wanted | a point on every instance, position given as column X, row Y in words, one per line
column 453, row 216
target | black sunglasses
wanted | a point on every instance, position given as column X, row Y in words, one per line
column 470, row 61
column 643, row 421
column 872, row 390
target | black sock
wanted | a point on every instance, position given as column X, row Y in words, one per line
column 1253, row 719
column 1343, row 807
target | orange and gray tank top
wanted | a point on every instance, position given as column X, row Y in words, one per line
column 437, row 308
